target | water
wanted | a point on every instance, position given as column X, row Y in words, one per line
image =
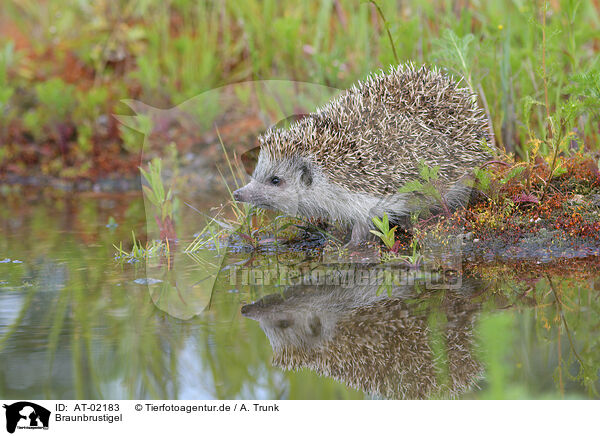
column 75, row 323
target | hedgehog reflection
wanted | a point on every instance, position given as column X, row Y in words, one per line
column 378, row 344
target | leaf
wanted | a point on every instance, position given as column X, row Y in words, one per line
column 558, row 171
column 587, row 86
column 484, row 179
column 386, row 222
column 456, row 51
column 411, row 186
column 431, row 191
column 514, row 172
column 376, row 233
column 378, row 223
column 528, row 102
column 145, row 174
column 150, row 195
column 424, row 171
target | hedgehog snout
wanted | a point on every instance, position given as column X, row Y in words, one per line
column 238, row 195
column 244, row 194
column 253, row 193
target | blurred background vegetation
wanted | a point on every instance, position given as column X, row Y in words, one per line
column 66, row 64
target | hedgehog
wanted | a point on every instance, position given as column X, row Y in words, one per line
column 379, row 344
column 347, row 161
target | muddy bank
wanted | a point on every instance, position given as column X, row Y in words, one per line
column 120, row 184
column 542, row 246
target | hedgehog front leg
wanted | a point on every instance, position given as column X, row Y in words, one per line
column 360, row 233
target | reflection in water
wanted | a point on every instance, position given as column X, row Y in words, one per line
column 76, row 324
column 384, row 345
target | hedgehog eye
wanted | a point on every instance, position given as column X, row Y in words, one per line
column 275, row 180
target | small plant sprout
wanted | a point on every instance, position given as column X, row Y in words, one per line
column 155, row 193
column 483, row 179
column 140, row 252
column 428, row 185
column 414, row 259
column 112, row 223
column 387, row 235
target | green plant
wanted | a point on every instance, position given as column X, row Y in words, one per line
column 560, row 124
column 457, row 53
column 56, row 102
column 387, row 29
column 161, row 199
column 7, row 56
column 90, row 104
column 414, row 259
column 386, row 234
column 33, row 121
column 429, row 185
column 514, row 172
column 140, row 252
column 483, row 180
column 155, row 192
column 56, row 97
column 247, row 221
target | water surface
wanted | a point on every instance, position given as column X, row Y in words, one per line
column 76, row 323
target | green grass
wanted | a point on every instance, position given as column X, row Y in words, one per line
column 140, row 252
column 528, row 62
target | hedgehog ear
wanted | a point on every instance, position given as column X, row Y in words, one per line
column 315, row 326
column 249, row 160
column 306, row 175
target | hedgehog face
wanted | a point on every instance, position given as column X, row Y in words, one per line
column 299, row 328
column 277, row 184
column 302, row 330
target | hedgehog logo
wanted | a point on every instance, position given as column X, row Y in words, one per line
column 204, row 133
column 26, row 415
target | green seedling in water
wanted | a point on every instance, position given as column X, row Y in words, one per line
column 112, row 223
column 161, row 199
column 140, row 252
column 155, row 191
